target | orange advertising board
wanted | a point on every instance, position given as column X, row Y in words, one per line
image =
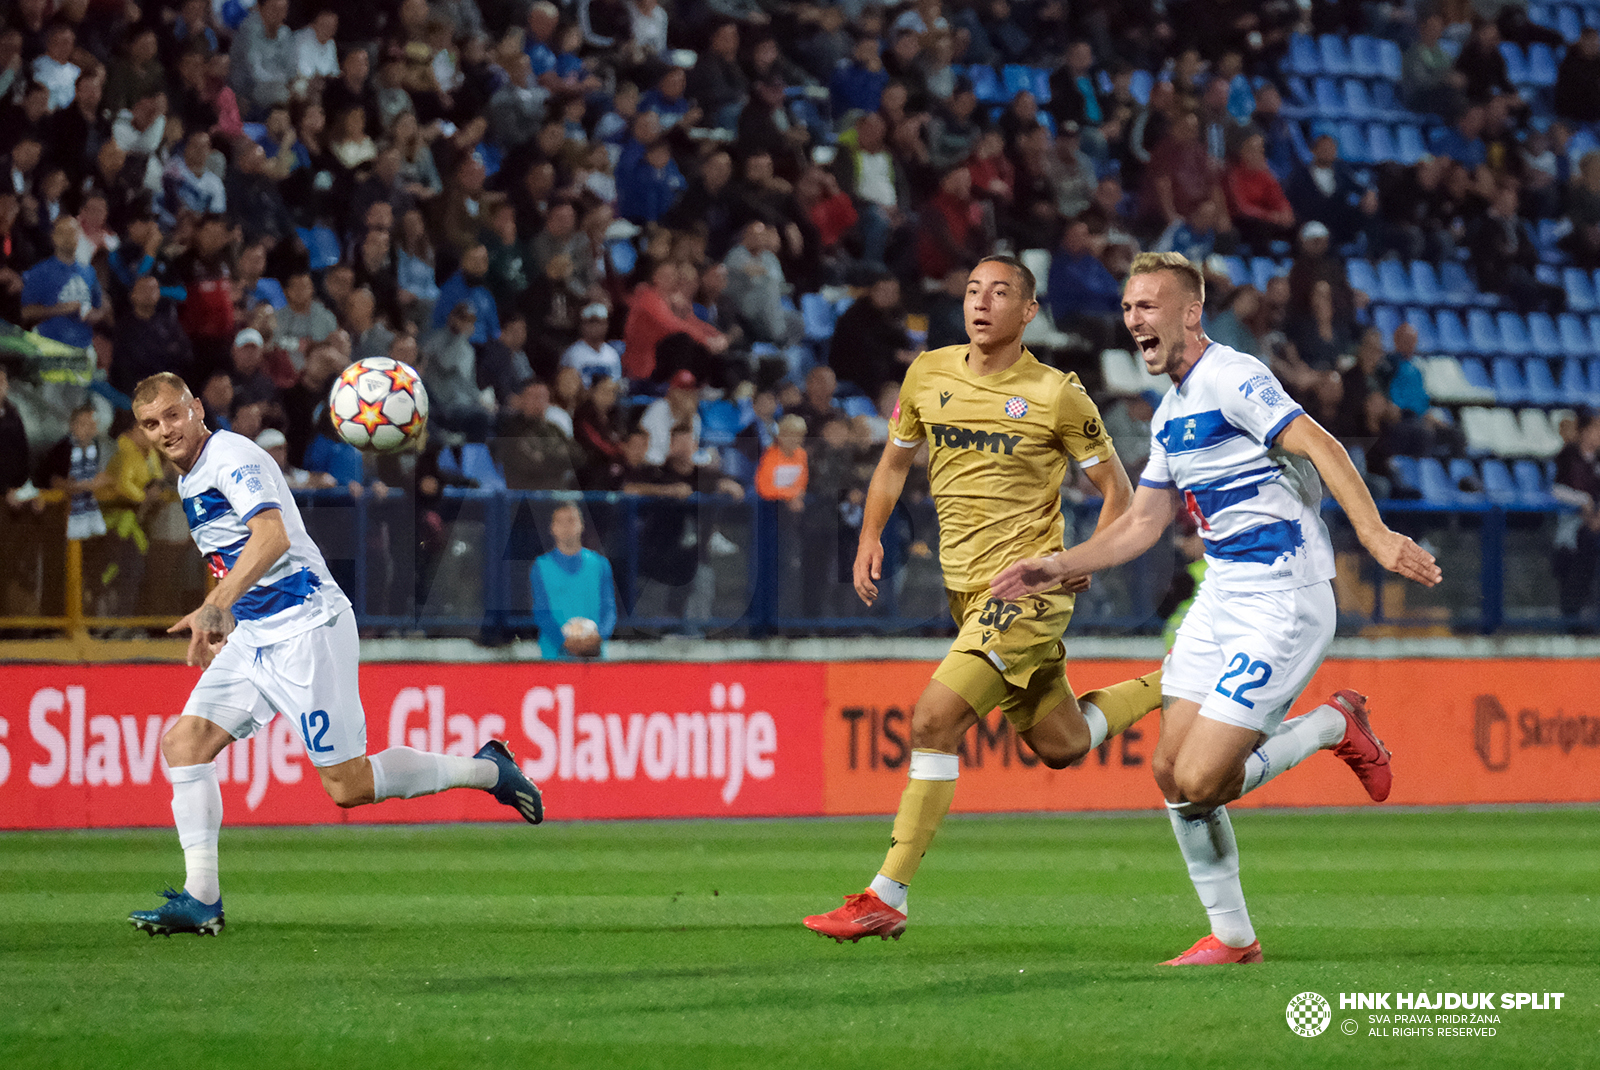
column 1491, row 731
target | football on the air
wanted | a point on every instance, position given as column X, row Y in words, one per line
column 378, row 404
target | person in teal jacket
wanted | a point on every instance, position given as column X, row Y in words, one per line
column 572, row 591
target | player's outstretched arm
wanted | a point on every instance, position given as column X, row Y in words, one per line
column 208, row 626
column 888, row 480
column 1124, row 539
column 1394, row 551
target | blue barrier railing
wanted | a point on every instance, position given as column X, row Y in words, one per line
column 710, row 564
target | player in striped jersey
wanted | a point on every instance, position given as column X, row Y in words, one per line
column 276, row 635
column 1230, row 447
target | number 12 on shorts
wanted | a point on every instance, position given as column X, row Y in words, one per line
column 1240, row 664
column 314, row 725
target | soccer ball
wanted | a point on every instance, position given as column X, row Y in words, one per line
column 378, row 404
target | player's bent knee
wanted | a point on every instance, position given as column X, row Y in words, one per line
column 349, row 785
column 1205, row 789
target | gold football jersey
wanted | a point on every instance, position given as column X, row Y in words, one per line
column 997, row 455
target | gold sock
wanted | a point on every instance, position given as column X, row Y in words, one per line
column 1124, row 703
column 922, row 809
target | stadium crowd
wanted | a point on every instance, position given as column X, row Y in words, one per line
column 662, row 248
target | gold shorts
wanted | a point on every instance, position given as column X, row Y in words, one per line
column 1009, row 654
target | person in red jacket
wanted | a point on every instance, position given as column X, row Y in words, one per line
column 955, row 230
column 1261, row 212
column 657, row 315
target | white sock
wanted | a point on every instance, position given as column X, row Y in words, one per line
column 1212, row 854
column 892, row 892
column 1097, row 723
column 403, row 773
column 197, row 812
column 1295, row 740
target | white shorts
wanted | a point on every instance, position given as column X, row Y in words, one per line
column 311, row 679
column 1245, row 656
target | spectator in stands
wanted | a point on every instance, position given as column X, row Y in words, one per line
column 251, row 382
column 20, row 516
column 954, row 231
column 61, row 298
column 572, row 586
column 648, row 187
column 598, row 432
column 1180, row 175
column 782, row 474
column 18, row 253
column 677, row 410
column 303, row 321
column 54, row 69
column 656, row 319
column 1484, row 68
column 1084, row 297
column 817, row 405
column 717, row 83
column 263, row 61
column 1412, row 198
column 517, row 109
column 1074, row 95
column 533, row 450
column 868, row 171
column 334, row 463
column 756, row 288
column 256, row 200
column 858, row 84
column 1577, row 539
column 73, row 134
column 1363, row 378
column 1429, row 81
column 870, row 346
column 593, row 356
column 561, row 237
column 468, row 285
column 148, row 339
column 1505, row 254
column 1577, row 90
column 1256, row 202
column 449, row 372
column 76, row 465
column 1327, row 190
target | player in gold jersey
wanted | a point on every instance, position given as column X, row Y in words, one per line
column 999, row 427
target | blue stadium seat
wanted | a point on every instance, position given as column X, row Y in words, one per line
column 1546, row 339
column 1531, row 484
column 1569, row 22
column 1498, row 486
column 624, row 255
column 1425, row 287
column 1327, row 98
column 1580, row 290
column 1452, row 336
column 1514, row 335
column 1476, row 373
column 1361, row 276
column 1386, row 319
column 1458, row 286
column 1141, row 84
column 1436, row 486
column 1297, row 141
column 1542, row 389
column 1380, row 142
column 1394, row 283
column 1238, row 270
column 1541, row 65
column 477, row 463
column 986, row 84
column 1575, row 340
column 1384, row 101
column 1594, row 378
column 1428, row 340
column 1594, row 331
column 1390, row 59
column 1357, row 102
column 448, row 464
column 1263, row 269
column 1016, row 78
column 1575, row 384
column 1303, row 57
column 720, row 420
column 1405, row 473
column 1483, row 336
column 1516, row 63
column 1462, row 471
column 1353, row 146
column 1510, row 385
column 1297, row 92
column 818, row 316
column 323, row 245
column 858, row 405
column 1409, row 143
column 1040, row 76
column 1335, row 55
column 1364, row 59
column 1582, row 141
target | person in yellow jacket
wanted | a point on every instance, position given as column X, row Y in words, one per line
column 136, row 480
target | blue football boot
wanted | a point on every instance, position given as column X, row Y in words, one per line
column 181, row 913
column 513, row 788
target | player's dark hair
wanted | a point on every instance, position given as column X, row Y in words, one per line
column 1030, row 285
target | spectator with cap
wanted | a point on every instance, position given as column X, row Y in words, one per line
column 277, row 446
column 678, row 410
column 591, row 354
column 574, row 594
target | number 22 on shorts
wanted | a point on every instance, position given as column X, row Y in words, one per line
column 1260, row 672
column 314, row 725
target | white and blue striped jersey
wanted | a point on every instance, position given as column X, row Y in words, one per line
column 232, row 481
column 1258, row 507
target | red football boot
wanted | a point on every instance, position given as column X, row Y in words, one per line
column 1361, row 750
column 863, row 914
column 1213, row 952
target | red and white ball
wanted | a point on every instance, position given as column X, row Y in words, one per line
column 378, row 404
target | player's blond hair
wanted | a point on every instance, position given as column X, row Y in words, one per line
column 151, row 386
column 1188, row 274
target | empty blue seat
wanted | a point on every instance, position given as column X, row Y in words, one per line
column 1575, row 340
column 322, row 244
column 1516, row 63
column 1594, row 379
column 1427, row 337
column 1353, row 147
column 1541, row 65
column 1531, row 484
column 858, row 405
column 1476, row 373
column 1394, row 283
column 1425, row 289
column 1458, row 287
column 449, row 465
column 986, row 84
column 477, row 463
column 1238, row 270
column 1514, row 335
column 1390, row 59
column 1327, row 98
column 1569, row 22
column 1482, row 333
column 1143, row 81
column 1016, row 78
column 720, row 421
column 1364, row 59
column 1405, row 473
column 817, row 315
column 1380, row 142
column 1435, row 484
column 1385, row 103
column 1386, row 318
column 1360, row 275
column 1303, row 58
column 1041, row 84
column 1594, row 332
column 1510, row 385
column 1452, row 336
column 1580, row 289
column 1263, row 269
column 1409, row 143
column 1546, row 339
column 1357, row 103
column 1297, row 91
column 1335, row 56
column 1575, row 383
column 1542, row 388
column 1498, row 486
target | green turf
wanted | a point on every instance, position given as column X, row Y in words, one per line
column 678, row 944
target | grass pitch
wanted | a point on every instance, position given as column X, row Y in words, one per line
column 678, row 944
